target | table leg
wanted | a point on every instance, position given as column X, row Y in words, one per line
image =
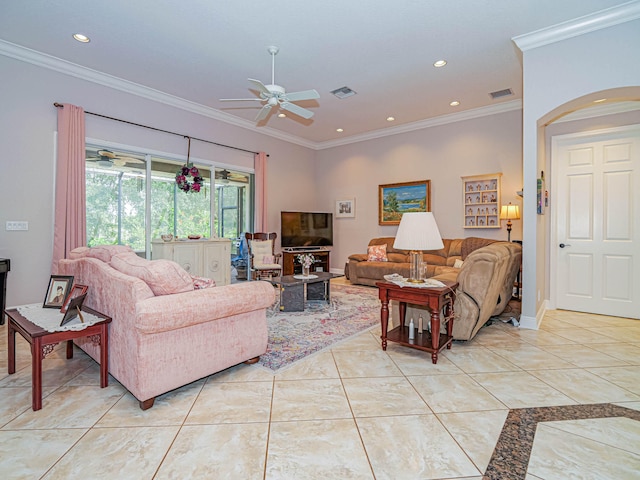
column 11, row 347
column 104, row 356
column 450, row 315
column 69, row 349
column 402, row 309
column 435, row 334
column 384, row 321
column 36, row 373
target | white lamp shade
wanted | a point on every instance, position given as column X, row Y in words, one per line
column 418, row 231
column 510, row 212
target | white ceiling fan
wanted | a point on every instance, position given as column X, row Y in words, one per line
column 275, row 96
column 107, row 159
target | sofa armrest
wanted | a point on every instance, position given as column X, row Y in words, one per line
column 170, row 312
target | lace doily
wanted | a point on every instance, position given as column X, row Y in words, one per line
column 49, row 319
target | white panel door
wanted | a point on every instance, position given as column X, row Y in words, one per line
column 597, row 249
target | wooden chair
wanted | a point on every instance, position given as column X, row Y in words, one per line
column 263, row 262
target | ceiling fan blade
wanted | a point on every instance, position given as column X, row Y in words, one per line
column 304, row 95
column 239, row 99
column 106, row 153
column 260, row 87
column 262, row 114
column 293, row 108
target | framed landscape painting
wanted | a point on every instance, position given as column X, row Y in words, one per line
column 394, row 199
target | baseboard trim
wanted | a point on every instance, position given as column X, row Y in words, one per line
column 533, row 323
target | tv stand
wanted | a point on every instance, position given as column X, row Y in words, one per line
column 302, row 249
column 291, row 266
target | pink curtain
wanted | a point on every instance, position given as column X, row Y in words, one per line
column 70, row 224
column 260, row 166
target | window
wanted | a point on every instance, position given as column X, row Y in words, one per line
column 133, row 198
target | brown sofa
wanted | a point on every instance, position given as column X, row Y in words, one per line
column 485, row 279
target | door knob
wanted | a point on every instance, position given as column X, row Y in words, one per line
column 562, row 245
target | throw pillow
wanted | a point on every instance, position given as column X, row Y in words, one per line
column 164, row 277
column 200, row 283
column 268, row 259
column 79, row 252
column 106, row 252
column 377, row 253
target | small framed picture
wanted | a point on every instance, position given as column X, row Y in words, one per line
column 73, row 310
column 59, row 288
column 346, row 208
column 76, row 291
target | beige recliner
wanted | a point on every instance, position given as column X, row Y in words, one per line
column 485, row 286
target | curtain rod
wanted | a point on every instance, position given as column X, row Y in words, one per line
column 59, row 105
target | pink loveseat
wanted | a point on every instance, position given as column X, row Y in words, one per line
column 164, row 333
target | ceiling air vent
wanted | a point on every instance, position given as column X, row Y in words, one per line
column 501, row 93
column 343, row 92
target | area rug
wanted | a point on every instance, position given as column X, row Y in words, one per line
column 296, row 335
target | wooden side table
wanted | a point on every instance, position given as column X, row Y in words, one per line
column 42, row 343
column 436, row 299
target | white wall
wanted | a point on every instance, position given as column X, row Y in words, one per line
column 554, row 76
column 441, row 154
column 28, row 121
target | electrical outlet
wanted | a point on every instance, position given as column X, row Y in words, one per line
column 17, row 225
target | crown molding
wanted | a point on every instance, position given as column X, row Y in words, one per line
column 50, row 62
column 428, row 123
column 72, row 69
column 579, row 26
column 600, row 110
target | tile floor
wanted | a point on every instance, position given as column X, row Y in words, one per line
column 353, row 412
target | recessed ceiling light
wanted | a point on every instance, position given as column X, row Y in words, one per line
column 390, row 119
column 282, row 115
column 439, row 63
column 600, row 100
column 339, row 130
column 81, row 38
column 455, row 103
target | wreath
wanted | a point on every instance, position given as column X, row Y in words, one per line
column 182, row 179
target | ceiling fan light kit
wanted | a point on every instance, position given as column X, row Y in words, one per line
column 274, row 95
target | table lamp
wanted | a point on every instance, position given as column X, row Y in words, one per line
column 508, row 213
column 417, row 231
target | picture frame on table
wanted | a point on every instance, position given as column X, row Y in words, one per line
column 76, row 291
column 58, row 290
column 346, row 208
column 73, row 310
column 394, row 199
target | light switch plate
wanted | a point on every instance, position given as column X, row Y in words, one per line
column 17, row 225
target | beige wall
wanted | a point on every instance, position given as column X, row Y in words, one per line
column 560, row 76
column 28, row 122
column 441, row 154
column 299, row 178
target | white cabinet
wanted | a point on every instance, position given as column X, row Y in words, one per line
column 209, row 258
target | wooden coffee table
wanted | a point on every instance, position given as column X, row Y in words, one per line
column 43, row 342
column 436, row 299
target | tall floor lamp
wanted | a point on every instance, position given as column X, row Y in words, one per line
column 417, row 231
column 508, row 213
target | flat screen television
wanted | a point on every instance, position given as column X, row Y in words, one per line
column 306, row 229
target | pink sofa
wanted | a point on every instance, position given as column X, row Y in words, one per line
column 164, row 333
